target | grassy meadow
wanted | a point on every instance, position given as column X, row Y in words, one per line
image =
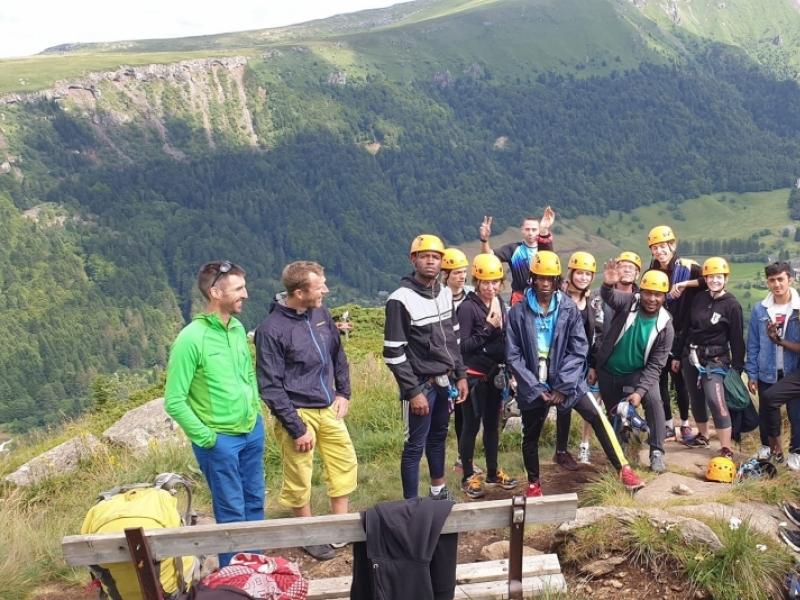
column 36, row 518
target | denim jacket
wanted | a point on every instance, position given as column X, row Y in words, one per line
column 760, row 363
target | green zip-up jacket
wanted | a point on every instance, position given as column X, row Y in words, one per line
column 211, row 383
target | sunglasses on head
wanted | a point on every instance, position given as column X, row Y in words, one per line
column 224, row 268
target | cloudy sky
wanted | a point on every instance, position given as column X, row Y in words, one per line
column 30, row 26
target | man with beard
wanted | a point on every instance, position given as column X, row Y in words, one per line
column 211, row 393
column 304, row 378
column 420, row 347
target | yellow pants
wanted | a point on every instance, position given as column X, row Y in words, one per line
column 332, row 440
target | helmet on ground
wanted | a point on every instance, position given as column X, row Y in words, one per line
column 654, row 281
column 630, row 257
column 756, row 469
column 487, row 267
column 583, row 261
column 661, row 233
column 716, row 265
column 427, row 243
column 453, row 258
column 546, row 263
column 721, row 469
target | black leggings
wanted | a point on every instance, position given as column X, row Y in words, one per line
column 481, row 406
column 680, row 393
column 533, row 421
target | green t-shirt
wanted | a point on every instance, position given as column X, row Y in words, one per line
column 628, row 355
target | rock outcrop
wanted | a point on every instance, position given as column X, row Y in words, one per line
column 143, row 427
column 60, row 460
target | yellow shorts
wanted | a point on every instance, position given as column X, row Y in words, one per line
column 335, row 448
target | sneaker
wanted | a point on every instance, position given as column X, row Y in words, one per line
column 764, row 453
column 444, row 494
column 503, row 480
column 320, row 552
column 792, row 512
column 565, row 460
column 698, row 441
column 657, row 464
column 793, row 462
column 726, row 452
column 583, row 454
column 687, row 433
column 630, row 479
column 337, row 545
column 670, row 434
column 791, row 537
column 473, row 487
column 534, row 490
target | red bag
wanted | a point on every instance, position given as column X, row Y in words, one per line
column 261, row 577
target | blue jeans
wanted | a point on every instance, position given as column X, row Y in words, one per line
column 234, row 470
column 428, row 433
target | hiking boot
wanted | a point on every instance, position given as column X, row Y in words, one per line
column 565, row 460
column 444, row 494
column 534, row 490
column 793, row 461
column 670, row 434
column 764, row 453
column 791, row 537
column 630, row 479
column 473, row 487
column 698, row 441
column 726, row 452
column 583, row 454
column 687, row 433
column 503, row 480
column 792, row 512
column 320, row 552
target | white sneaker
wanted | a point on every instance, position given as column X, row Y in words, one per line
column 793, row 462
column 583, row 454
column 764, row 453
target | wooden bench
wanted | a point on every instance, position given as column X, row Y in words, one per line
column 491, row 579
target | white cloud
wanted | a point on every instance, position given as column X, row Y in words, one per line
column 30, row 26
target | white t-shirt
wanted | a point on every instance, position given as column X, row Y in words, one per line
column 779, row 314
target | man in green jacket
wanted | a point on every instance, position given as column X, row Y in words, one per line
column 212, row 394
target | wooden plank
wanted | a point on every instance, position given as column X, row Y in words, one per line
column 288, row 533
column 532, row 587
column 493, row 570
column 498, row 590
column 146, row 573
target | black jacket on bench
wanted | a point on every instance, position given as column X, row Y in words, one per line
column 404, row 557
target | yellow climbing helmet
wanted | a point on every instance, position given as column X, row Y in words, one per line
column 661, row 233
column 654, row 281
column 716, row 265
column 721, row 469
column 453, row 258
column 427, row 243
column 583, row 261
column 487, row 267
column 630, row 257
column 546, row 263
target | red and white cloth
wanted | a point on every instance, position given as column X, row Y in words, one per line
column 261, row 577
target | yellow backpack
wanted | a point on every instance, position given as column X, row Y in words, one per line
column 150, row 507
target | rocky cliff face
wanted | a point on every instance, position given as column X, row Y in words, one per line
column 193, row 104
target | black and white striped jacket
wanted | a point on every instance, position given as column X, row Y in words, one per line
column 420, row 338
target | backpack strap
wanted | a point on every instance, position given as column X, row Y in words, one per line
column 109, row 589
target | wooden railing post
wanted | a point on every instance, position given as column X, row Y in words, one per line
column 145, row 566
column 515, row 548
